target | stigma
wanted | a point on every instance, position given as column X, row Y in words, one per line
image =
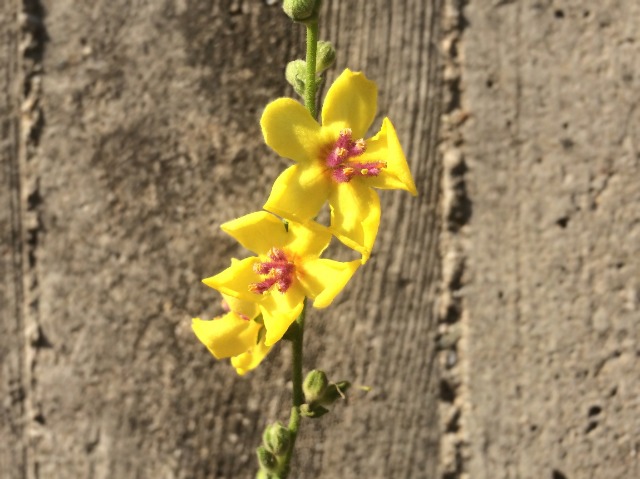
column 278, row 270
column 340, row 159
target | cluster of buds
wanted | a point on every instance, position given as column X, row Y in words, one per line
column 319, row 393
column 295, row 73
column 306, row 11
column 276, row 442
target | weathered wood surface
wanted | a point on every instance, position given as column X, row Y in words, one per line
column 130, row 132
column 12, row 382
column 138, row 137
column 552, row 289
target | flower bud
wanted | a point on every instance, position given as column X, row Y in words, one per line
column 277, row 439
column 313, row 410
column 267, row 460
column 334, row 392
column 315, row 385
column 262, row 474
column 301, row 10
column 326, row 56
column 295, row 74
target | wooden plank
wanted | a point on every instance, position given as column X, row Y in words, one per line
column 552, row 292
column 12, row 385
column 152, row 141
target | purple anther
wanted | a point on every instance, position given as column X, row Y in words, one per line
column 278, row 270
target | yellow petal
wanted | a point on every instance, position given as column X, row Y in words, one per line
column 324, row 278
column 290, row 130
column 248, row 309
column 226, row 336
column 355, row 216
column 258, row 232
column 352, row 102
column 279, row 311
column 385, row 147
column 261, row 231
column 251, row 359
column 299, row 192
column 235, row 280
column 309, row 240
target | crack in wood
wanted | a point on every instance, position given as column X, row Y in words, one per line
column 33, row 38
column 456, row 212
column 12, row 412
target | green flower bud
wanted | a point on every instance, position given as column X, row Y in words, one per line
column 267, row 460
column 315, row 385
column 277, row 439
column 262, row 474
column 334, row 392
column 326, row 56
column 313, row 410
column 301, row 10
column 295, row 74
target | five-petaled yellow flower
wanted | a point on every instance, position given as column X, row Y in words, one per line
column 334, row 162
column 238, row 335
column 288, row 268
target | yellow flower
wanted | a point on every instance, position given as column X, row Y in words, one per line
column 334, row 163
column 237, row 335
column 288, row 268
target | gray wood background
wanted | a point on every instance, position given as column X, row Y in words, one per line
column 497, row 321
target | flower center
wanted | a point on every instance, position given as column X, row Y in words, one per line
column 341, row 159
column 277, row 271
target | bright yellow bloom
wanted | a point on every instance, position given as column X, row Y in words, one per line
column 238, row 335
column 288, row 268
column 334, row 163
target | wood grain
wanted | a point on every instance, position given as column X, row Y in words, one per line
column 129, row 132
column 12, row 384
column 143, row 139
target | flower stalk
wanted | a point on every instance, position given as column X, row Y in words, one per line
column 296, row 336
column 296, row 332
column 312, row 53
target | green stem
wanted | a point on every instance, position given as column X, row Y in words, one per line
column 310, row 83
column 298, row 395
column 297, row 331
column 297, row 338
